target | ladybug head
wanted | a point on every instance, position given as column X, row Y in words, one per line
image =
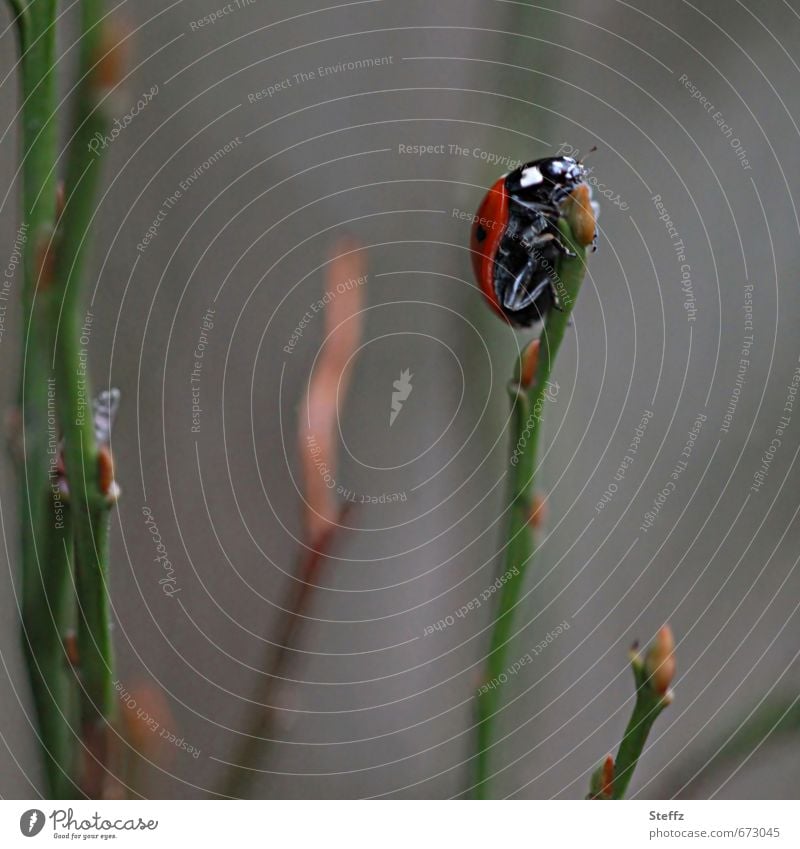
column 545, row 180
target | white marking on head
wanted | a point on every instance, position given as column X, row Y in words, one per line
column 530, row 177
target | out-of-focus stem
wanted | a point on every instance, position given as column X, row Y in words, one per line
column 46, row 540
column 20, row 12
column 260, row 720
column 323, row 515
column 90, row 505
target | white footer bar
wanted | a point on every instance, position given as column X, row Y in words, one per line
column 402, row 824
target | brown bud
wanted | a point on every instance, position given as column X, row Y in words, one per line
column 111, row 56
column 660, row 661
column 45, row 260
column 105, row 469
column 580, row 214
column 607, row 787
column 71, row 648
column 145, row 713
column 538, row 511
column 529, row 362
column 602, row 782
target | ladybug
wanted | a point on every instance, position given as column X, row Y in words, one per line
column 515, row 241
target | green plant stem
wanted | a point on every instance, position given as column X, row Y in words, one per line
column 90, row 506
column 20, row 12
column 46, row 547
column 527, row 408
column 46, row 619
column 646, row 709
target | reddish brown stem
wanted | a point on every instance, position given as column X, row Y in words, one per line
column 277, row 659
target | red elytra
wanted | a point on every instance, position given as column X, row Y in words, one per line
column 487, row 231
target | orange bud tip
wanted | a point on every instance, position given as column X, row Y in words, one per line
column 580, row 214
column 607, row 788
column 602, row 782
column 105, row 469
column 538, row 512
column 111, row 55
column 529, row 362
column 145, row 714
column 660, row 661
column 71, row 648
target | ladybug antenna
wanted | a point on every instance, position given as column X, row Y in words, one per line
column 592, row 149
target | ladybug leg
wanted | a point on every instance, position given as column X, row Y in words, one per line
column 557, row 305
column 551, row 233
column 563, row 249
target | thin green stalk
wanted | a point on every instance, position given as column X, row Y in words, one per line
column 90, row 505
column 653, row 674
column 20, row 12
column 646, row 709
column 49, row 612
column 46, row 547
column 527, row 406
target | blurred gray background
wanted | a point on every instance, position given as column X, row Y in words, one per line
column 374, row 706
